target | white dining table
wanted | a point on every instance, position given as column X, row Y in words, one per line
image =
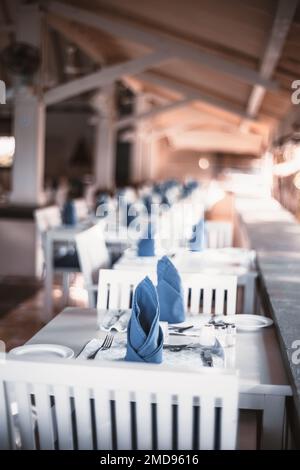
column 115, row 240
column 263, row 384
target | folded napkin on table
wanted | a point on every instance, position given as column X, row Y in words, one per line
column 144, row 334
column 197, row 242
column 170, row 292
column 69, row 216
column 146, row 245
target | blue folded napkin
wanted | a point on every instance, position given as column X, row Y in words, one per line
column 69, row 216
column 132, row 213
column 197, row 242
column 144, row 334
column 170, row 292
column 146, row 245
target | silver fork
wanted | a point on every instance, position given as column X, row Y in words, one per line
column 108, row 341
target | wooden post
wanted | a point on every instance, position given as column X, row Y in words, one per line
column 104, row 151
column 139, row 154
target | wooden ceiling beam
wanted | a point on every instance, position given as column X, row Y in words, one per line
column 102, row 77
column 77, row 36
column 158, row 41
column 131, row 120
column 192, row 92
column 283, row 19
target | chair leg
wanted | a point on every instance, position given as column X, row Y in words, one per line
column 65, row 288
column 92, row 299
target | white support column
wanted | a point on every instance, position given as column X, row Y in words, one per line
column 28, row 168
column 152, row 156
column 29, row 123
column 105, row 145
column 139, row 153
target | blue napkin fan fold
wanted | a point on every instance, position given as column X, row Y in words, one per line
column 69, row 216
column 146, row 245
column 170, row 292
column 144, row 334
column 198, row 242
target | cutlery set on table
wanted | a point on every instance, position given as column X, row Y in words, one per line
column 201, row 336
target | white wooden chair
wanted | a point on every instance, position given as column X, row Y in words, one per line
column 218, row 234
column 46, row 219
column 81, row 209
column 93, row 255
column 202, row 293
column 118, row 406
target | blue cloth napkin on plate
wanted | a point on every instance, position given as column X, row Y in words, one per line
column 144, row 334
column 170, row 292
column 197, row 242
column 69, row 216
column 146, row 245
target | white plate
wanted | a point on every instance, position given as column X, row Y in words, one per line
column 245, row 322
column 53, row 351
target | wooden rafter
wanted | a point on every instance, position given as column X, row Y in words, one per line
column 104, row 76
column 131, row 120
column 158, row 41
column 192, row 92
column 282, row 22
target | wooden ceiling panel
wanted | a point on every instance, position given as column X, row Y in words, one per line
column 233, row 24
column 276, row 105
column 233, row 29
column 207, row 80
column 101, row 47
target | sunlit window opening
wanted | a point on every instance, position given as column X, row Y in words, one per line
column 7, row 150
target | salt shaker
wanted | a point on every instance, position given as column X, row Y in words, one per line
column 231, row 335
column 207, row 335
column 222, row 334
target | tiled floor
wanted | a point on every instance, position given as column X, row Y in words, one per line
column 20, row 323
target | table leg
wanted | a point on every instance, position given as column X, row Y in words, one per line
column 249, row 294
column 66, row 283
column 273, row 422
column 48, row 278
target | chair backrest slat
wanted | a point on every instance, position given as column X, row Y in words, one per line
column 63, row 414
column 44, row 417
column 5, row 435
column 207, row 422
column 103, row 418
column 25, row 416
column 83, row 418
column 229, row 421
column 164, row 420
column 143, row 420
column 185, row 417
column 119, row 405
column 218, row 234
column 123, row 419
